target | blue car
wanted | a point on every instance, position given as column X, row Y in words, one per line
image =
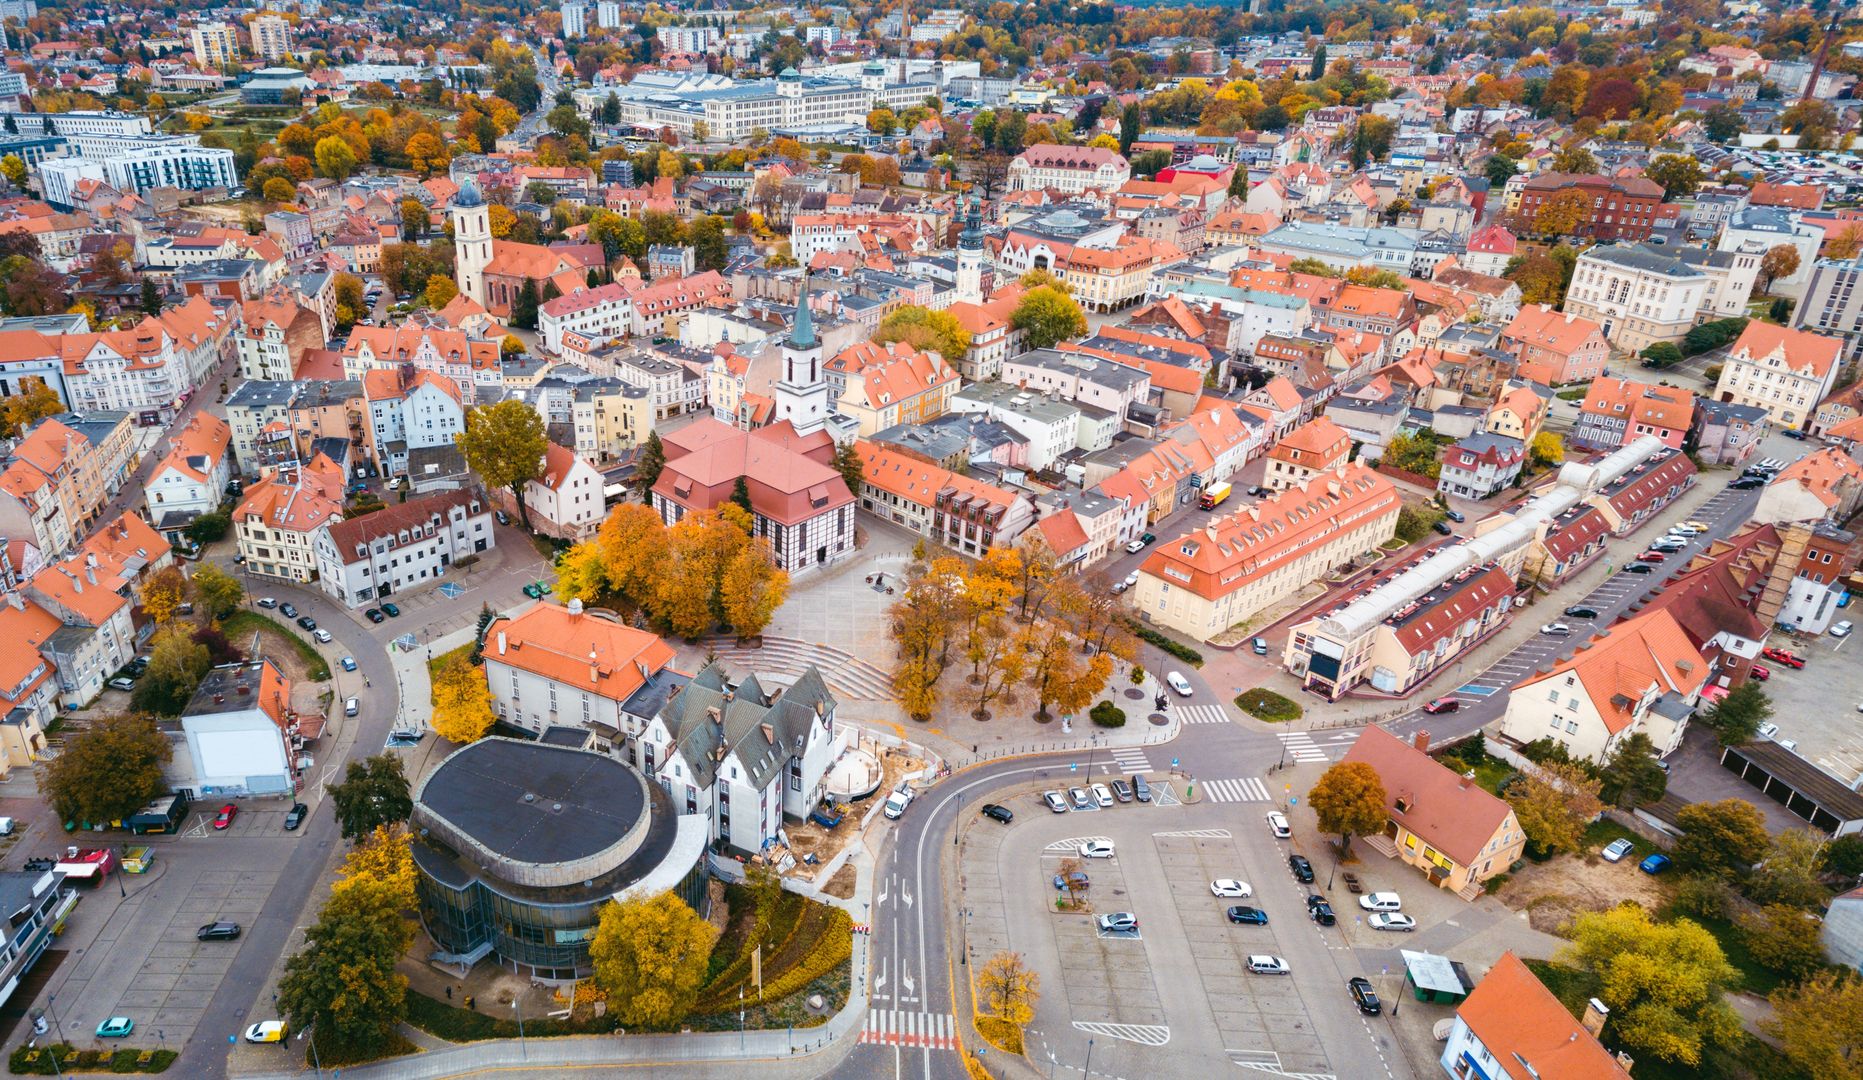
column 1655, row 864
column 116, row 1027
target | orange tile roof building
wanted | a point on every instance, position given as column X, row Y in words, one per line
column 1315, row 447
column 1824, row 485
column 1211, row 579
column 60, row 476
column 191, row 479
column 798, row 501
column 966, row 515
column 1616, row 411
column 1438, row 820
column 1786, row 372
column 563, row 665
column 1513, row 1028
column 882, row 386
column 1555, row 347
column 279, row 518
column 1642, row 674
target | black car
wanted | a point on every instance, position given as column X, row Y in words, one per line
column 1360, row 989
column 1745, row 483
column 374, row 615
column 1638, row 568
column 295, row 816
column 998, row 813
column 288, row 611
column 1322, row 913
column 1140, row 789
column 1303, row 870
column 217, row 931
column 1251, row 916
column 1581, row 612
column 1443, row 527
column 307, row 622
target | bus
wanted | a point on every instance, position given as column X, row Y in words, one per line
column 1214, row 495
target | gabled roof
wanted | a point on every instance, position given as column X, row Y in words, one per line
column 1523, row 1023
column 1802, row 351
column 584, row 649
column 198, row 448
column 1450, row 813
column 1623, row 662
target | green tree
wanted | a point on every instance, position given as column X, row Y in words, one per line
column 1662, row 981
column 1499, row 169
column 1130, row 123
column 1349, row 799
column 566, row 120
column 740, row 494
column 925, row 330
column 505, row 443
column 1723, row 123
column 1047, row 315
column 108, row 770
column 1819, row 1025
column 1720, row 838
column 1736, row 718
column 1318, row 69
column 1662, row 354
column 651, row 957
column 151, row 297
column 524, row 310
column 853, row 470
column 1632, row 776
column 1678, row 174
column 177, row 664
column 217, row 592
column 374, row 792
column 652, row 461
column 208, row 528
column 709, row 251
column 336, row 159
column 1784, row 939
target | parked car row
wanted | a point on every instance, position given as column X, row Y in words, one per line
column 1097, row 796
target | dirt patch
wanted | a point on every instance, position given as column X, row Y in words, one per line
column 841, row 885
column 1553, row 892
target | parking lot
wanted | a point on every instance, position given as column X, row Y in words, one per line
column 1817, row 707
column 1175, row 995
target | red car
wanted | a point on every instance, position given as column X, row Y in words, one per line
column 1781, row 656
column 1651, row 556
column 1760, row 672
column 226, row 816
column 1442, row 705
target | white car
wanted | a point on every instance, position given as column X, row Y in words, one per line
column 1616, row 850
column 1097, row 849
column 1391, row 920
column 322, row 635
column 1135, row 546
column 1381, row 901
column 1555, row 629
column 1841, row 629
column 1277, row 824
column 1055, row 800
column 1102, row 796
column 1230, row 888
column 1178, row 683
column 1268, row 965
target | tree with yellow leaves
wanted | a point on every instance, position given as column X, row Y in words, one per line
column 386, row 856
column 753, row 587
column 633, row 543
column 161, row 595
column 462, row 702
column 1010, row 989
column 426, row 153
column 440, row 291
column 651, row 957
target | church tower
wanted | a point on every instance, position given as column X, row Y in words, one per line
column 802, row 393
column 970, row 257
column 472, row 240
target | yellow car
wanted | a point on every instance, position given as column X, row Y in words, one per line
column 1698, row 526
column 266, row 1031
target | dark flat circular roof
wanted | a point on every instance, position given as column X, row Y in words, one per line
column 535, row 803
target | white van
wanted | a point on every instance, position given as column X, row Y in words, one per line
column 1178, row 683
column 897, row 802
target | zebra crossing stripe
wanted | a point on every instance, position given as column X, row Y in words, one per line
column 890, row 1027
column 1247, row 789
column 1202, row 714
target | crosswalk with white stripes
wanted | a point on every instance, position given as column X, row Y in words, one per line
column 1202, row 714
column 1131, row 759
column 897, row 1027
column 1247, row 789
column 1303, row 746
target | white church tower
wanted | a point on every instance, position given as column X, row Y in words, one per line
column 970, row 257
column 472, row 240
column 802, row 392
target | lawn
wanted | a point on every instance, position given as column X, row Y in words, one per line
column 241, row 625
column 438, row 663
column 1264, row 704
column 1754, row 978
column 1577, row 394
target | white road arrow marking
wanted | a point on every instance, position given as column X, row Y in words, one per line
column 881, row 899
column 905, row 896
column 907, row 979
column 879, row 981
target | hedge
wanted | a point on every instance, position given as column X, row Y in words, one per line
column 1170, row 645
column 783, row 926
column 29, row 1061
column 835, row 945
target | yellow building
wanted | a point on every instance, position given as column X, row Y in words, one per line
column 1443, row 824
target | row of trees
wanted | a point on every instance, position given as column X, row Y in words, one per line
column 1013, row 620
column 704, row 571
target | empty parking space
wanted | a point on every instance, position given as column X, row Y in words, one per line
column 1106, row 976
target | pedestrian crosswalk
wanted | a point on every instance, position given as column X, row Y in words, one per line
column 1247, row 789
column 1202, row 714
column 897, row 1027
column 1303, row 746
column 1131, row 759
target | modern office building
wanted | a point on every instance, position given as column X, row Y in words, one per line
column 521, row 843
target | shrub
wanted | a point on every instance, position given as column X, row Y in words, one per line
column 1106, row 714
column 1169, row 645
column 1001, row 1034
column 1702, row 898
column 834, row 946
column 1264, row 704
column 1493, row 884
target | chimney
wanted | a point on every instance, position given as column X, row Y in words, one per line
column 1421, row 740
column 1596, row 1013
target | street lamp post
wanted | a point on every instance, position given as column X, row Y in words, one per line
column 522, row 1049
column 316, row 1060
column 1087, row 1070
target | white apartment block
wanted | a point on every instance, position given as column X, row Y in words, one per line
column 216, row 45
column 135, row 164
column 1786, row 372
column 608, row 14
column 596, row 315
column 575, row 20
column 271, row 36
column 1636, row 294
column 689, row 39
column 731, row 108
column 405, row 546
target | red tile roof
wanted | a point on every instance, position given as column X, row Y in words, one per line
column 1520, row 1021
column 1452, row 814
